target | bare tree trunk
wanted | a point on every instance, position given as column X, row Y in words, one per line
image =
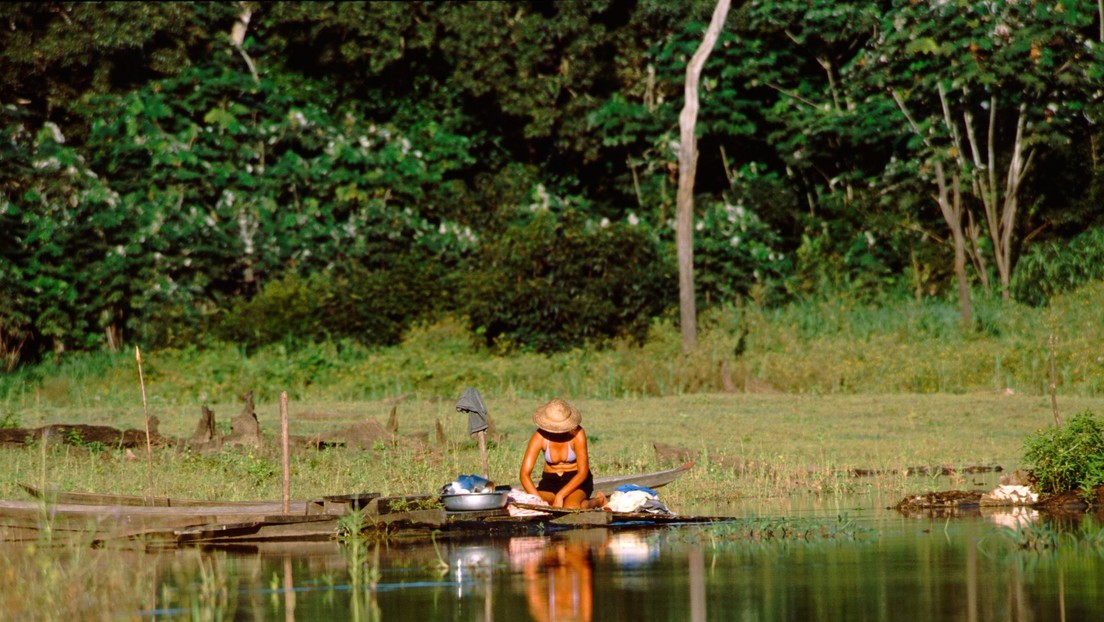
column 977, row 254
column 688, row 161
column 1001, row 204
column 949, row 199
column 950, row 204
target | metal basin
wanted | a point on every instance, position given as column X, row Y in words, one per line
column 474, row 501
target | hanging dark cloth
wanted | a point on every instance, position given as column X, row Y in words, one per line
column 472, row 403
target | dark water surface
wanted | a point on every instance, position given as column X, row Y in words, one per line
column 896, row 568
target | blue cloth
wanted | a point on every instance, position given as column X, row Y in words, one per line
column 632, row 487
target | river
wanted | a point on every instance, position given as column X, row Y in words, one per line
column 845, row 559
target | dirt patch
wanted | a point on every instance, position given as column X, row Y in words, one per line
column 84, row 435
column 366, row 434
column 945, row 499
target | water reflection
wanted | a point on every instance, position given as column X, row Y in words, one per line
column 558, row 576
column 923, row 569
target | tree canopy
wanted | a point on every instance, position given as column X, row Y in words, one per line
column 173, row 172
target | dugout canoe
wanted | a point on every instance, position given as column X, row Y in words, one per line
column 164, row 521
column 607, row 484
column 654, row 479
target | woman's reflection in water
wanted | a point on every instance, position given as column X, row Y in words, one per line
column 559, row 585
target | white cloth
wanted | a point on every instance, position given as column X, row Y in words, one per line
column 1011, row 495
column 630, row 501
column 520, row 496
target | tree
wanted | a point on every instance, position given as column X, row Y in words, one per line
column 688, row 162
column 982, row 87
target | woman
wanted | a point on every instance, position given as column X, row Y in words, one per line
column 566, row 481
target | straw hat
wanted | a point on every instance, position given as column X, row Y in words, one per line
column 557, row 417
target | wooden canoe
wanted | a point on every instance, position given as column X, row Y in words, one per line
column 655, row 479
column 93, row 498
column 171, row 521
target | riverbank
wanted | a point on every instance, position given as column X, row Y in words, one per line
column 745, row 445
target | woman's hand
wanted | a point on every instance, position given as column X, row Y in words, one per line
column 558, row 502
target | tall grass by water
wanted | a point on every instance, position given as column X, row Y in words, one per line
column 837, row 346
column 747, row 446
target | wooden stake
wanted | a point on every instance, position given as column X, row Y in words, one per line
column 145, row 411
column 284, row 443
column 1053, row 385
column 483, row 452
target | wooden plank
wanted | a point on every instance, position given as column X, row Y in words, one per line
column 477, row 514
column 594, row 518
column 400, row 503
column 356, row 497
column 428, row 518
column 271, row 528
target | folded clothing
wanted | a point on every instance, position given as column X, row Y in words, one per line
column 520, row 496
column 633, row 498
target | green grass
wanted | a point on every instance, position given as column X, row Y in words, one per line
column 815, row 389
column 748, row 446
column 828, row 347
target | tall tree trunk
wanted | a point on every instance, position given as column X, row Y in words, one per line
column 1001, row 203
column 950, row 204
column 688, row 162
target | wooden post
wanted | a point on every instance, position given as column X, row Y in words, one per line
column 1053, row 385
column 483, row 453
column 284, row 445
column 145, row 411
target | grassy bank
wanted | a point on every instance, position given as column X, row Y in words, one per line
column 775, row 401
column 747, row 446
column 831, row 347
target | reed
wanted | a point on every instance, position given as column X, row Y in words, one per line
column 783, row 529
column 1050, row 536
column 75, row 582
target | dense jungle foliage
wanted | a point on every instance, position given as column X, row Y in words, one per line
column 175, row 174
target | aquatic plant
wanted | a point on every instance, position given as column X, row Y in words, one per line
column 364, row 571
column 1068, row 458
column 785, row 529
column 1043, row 536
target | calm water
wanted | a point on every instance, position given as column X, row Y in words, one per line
column 904, row 568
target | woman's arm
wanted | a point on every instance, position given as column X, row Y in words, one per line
column 532, row 450
column 582, row 459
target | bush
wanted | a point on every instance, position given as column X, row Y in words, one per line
column 1046, row 270
column 558, row 282
column 1070, row 457
column 372, row 306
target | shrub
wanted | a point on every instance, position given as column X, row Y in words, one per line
column 372, row 306
column 1070, row 457
column 1046, row 270
column 558, row 282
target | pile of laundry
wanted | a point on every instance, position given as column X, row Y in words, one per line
column 520, row 496
column 627, row 498
column 632, row 498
